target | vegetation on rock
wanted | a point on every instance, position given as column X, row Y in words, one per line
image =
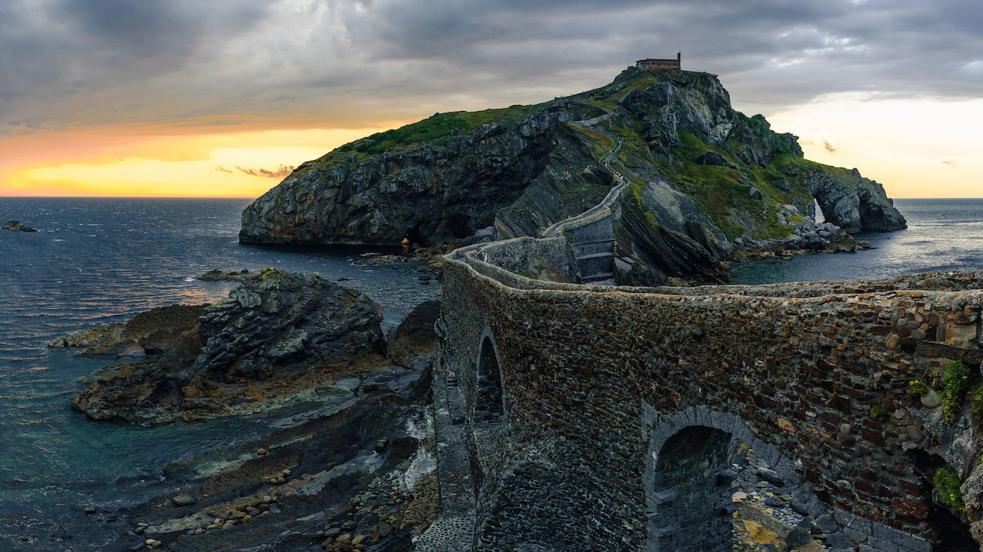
column 917, row 387
column 975, row 400
column 955, row 382
column 877, row 412
column 946, row 484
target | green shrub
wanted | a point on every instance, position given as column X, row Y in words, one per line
column 946, row 484
column 272, row 276
column 975, row 399
column 917, row 387
column 878, row 413
column 955, row 381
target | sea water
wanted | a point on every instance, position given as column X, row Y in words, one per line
column 942, row 234
column 95, row 261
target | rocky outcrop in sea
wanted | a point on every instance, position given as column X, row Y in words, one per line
column 16, row 226
column 349, row 461
column 361, row 477
column 275, row 340
column 706, row 181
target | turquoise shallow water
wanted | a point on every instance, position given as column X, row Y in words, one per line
column 942, row 234
column 97, row 261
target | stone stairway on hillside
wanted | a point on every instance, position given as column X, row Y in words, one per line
column 595, row 259
column 591, row 234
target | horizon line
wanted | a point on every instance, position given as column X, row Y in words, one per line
column 2, row 197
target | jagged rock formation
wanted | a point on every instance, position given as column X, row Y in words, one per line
column 276, row 337
column 704, row 180
column 172, row 327
column 351, row 468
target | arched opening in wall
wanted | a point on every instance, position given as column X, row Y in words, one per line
column 713, row 493
column 692, row 492
column 489, row 406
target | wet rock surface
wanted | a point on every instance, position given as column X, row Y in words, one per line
column 347, row 466
column 173, row 328
column 275, row 340
column 359, row 479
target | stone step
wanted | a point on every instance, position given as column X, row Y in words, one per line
column 591, row 242
column 598, row 276
column 595, row 256
column 580, row 250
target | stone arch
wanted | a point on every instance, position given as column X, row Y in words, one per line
column 489, row 397
column 688, row 480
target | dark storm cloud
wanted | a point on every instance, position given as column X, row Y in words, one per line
column 63, row 50
column 346, row 61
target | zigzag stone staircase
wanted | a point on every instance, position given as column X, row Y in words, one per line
column 591, row 235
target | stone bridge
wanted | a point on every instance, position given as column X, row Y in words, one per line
column 588, row 417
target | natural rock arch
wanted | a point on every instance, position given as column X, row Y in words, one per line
column 489, row 400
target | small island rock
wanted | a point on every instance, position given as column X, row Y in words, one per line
column 17, row 226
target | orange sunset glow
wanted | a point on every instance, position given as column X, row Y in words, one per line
column 141, row 163
column 929, row 156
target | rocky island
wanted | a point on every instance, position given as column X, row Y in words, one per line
column 807, row 416
column 17, row 226
column 703, row 183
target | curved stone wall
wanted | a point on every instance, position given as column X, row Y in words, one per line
column 816, row 372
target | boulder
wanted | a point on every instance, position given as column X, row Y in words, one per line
column 714, row 158
column 415, row 335
column 216, row 275
column 281, row 320
column 172, row 328
column 183, row 500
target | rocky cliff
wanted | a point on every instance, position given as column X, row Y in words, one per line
column 706, row 180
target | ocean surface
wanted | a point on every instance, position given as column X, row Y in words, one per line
column 103, row 260
column 942, row 234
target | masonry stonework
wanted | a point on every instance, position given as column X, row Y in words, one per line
column 594, row 377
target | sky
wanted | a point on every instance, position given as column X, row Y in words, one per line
column 222, row 98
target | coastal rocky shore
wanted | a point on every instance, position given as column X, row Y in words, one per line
column 349, row 461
